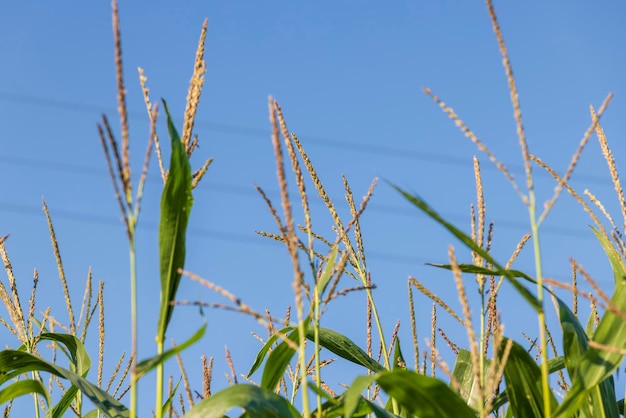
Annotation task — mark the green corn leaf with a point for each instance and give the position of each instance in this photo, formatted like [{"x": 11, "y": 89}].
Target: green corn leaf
[
  {"x": 257, "y": 401},
  {"x": 278, "y": 360},
  {"x": 352, "y": 405},
  {"x": 523, "y": 383},
  {"x": 345, "y": 348},
  {"x": 265, "y": 349},
  {"x": 598, "y": 365},
  {"x": 554, "y": 365},
  {"x": 14, "y": 363},
  {"x": 23, "y": 387},
  {"x": 176, "y": 202},
  {"x": 80, "y": 362},
  {"x": 469, "y": 243},
  {"x": 465, "y": 376},
  {"x": 331, "y": 340},
  {"x": 352, "y": 396},
  {"x": 398, "y": 359},
  {"x": 168, "y": 402},
  {"x": 320, "y": 287},
  {"x": 591, "y": 322},
  {"x": 149, "y": 364},
  {"x": 422, "y": 395},
  {"x": 602, "y": 401}
]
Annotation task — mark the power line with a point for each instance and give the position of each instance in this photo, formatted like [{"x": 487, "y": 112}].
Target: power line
[
  {"x": 204, "y": 233},
  {"x": 377, "y": 150},
  {"x": 244, "y": 191}
]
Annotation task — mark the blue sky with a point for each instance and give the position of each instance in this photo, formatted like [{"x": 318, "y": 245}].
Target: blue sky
[{"x": 349, "y": 80}]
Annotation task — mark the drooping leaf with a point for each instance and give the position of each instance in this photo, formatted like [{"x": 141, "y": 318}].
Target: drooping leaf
[
  {"x": 423, "y": 396},
  {"x": 257, "y": 401},
  {"x": 523, "y": 383},
  {"x": 283, "y": 353},
  {"x": 23, "y": 387},
  {"x": 597, "y": 365},
  {"x": 149, "y": 364},
  {"x": 80, "y": 363},
  {"x": 176, "y": 202},
  {"x": 345, "y": 348},
  {"x": 14, "y": 363},
  {"x": 469, "y": 243}
]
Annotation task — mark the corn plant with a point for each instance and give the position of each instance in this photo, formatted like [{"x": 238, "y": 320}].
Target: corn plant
[{"x": 492, "y": 374}]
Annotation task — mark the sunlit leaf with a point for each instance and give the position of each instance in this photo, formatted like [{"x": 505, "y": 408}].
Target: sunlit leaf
[
  {"x": 14, "y": 363},
  {"x": 597, "y": 365},
  {"x": 265, "y": 349},
  {"x": 176, "y": 202},
  {"x": 345, "y": 348},
  {"x": 422, "y": 395},
  {"x": 575, "y": 343},
  {"x": 257, "y": 401},
  {"x": 278, "y": 360},
  {"x": 23, "y": 387},
  {"x": 146, "y": 365},
  {"x": 469, "y": 243},
  {"x": 523, "y": 383}
]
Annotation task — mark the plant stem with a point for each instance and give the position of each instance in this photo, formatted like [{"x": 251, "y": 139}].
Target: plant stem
[
  {"x": 316, "y": 331},
  {"x": 545, "y": 383},
  {"x": 482, "y": 349},
  {"x": 133, "y": 314},
  {"x": 302, "y": 361},
  {"x": 158, "y": 408}
]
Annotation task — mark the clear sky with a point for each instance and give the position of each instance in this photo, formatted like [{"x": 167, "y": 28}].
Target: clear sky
[{"x": 349, "y": 80}]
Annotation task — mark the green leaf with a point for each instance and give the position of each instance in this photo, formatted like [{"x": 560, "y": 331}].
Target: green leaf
[
  {"x": 598, "y": 365},
  {"x": 356, "y": 407},
  {"x": 278, "y": 360},
  {"x": 352, "y": 396},
  {"x": 398, "y": 359},
  {"x": 591, "y": 322},
  {"x": 464, "y": 375},
  {"x": 422, "y": 395},
  {"x": 23, "y": 387},
  {"x": 283, "y": 353},
  {"x": 554, "y": 365},
  {"x": 80, "y": 363},
  {"x": 146, "y": 365},
  {"x": 602, "y": 401},
  {"x": 266, "y": 347},
  {"x": 176, "y": 202},
  {"x": 345, "y": 348},
  {"x": 14, "y": 362},
  {"x": 257, "y": 401},
  {"x": 469, "y": 243},
  {"x": 320, "y": 287},
  {"x": 523, "y": 383},
  {"x": 169, "y": 400}
]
